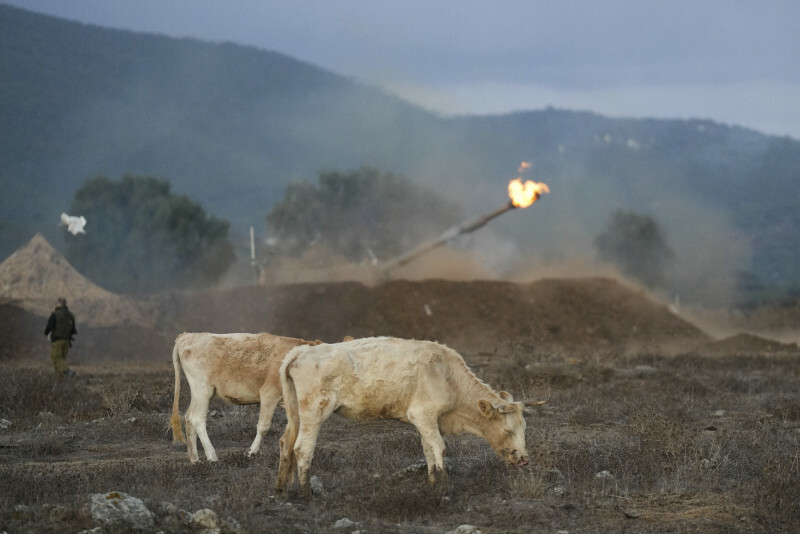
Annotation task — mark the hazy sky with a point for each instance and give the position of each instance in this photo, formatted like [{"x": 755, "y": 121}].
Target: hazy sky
[{"x": 732, "y": 61}]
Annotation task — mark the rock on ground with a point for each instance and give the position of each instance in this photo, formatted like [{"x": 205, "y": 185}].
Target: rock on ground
[{"x": 119, "y": 509}]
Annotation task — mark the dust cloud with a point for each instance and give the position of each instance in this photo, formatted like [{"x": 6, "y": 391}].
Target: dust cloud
[
  {"x": 708, "y": 256},
  {"x": 553, "y": 237}
]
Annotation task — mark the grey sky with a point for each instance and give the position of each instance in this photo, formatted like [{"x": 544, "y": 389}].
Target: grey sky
[{"x": 733, "y": 61}]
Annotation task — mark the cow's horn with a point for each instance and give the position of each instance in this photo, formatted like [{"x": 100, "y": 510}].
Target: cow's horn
[{"x": 534, "y": 403}]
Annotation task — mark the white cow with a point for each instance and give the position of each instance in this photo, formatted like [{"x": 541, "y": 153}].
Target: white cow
[
  {"x": 239, "y": 368},
  {"x": 418, "y": 382}
]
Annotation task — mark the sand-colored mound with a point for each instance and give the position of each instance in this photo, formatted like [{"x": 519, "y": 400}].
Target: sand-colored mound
[
  {"x": 38, "y": 271},
  {"x": 36, "y": 274}
]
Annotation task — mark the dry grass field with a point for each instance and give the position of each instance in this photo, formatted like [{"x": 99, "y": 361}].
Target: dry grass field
[{"x": 640, "y": 434}]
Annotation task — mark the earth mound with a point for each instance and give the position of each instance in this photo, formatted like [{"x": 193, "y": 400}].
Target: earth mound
[
  {"x": 748, "y": 344},
  {"x": 36, "y": 274},
  {"x": 579, "y": 314},
  {"x": 600, "y": 317}
]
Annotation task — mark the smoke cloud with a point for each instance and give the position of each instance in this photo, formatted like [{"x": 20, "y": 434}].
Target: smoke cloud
[{"x": 237, "y": 168}]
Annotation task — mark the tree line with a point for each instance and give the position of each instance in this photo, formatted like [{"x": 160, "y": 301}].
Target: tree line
[{"x": 143, "y": 238}]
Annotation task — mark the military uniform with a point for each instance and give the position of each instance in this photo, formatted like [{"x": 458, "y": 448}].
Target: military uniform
[{"x": 61, "y": 327}]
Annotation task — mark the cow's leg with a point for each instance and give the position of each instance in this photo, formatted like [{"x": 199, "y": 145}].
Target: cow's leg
[
  {"x": 196, "y": 418},
  {"x": 304, "y": 453},
  {"x": 430, "y": 459},
  {"x": 191, "y": 440},
  {"x": 269, "y": 402},
  {"x": 432, "y": 446},
  {"x": 311, "y": 420}
]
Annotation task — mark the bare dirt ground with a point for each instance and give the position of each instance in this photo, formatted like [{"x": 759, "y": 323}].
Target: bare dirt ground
[{"x": 652, "y": 424}]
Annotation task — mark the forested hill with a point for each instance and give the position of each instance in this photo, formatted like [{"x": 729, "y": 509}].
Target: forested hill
[
  {"x": 230, "y": 126},
  {"x": 226, "y": 124}
]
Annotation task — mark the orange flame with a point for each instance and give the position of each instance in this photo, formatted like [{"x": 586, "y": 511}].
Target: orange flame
[{"x": 523, "y": 195}]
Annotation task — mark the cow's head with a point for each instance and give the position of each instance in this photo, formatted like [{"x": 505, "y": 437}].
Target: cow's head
[{"x": 504, "y": 428}]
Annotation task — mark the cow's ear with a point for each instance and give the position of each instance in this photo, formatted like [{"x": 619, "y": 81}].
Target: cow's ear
[
  {"x": 486, "y": 408},
  {"x": 506, "y": 396}
]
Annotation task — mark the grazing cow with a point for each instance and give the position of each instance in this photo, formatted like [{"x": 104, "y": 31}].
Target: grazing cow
[
  {"x": 418, "y": 382},
  {"x": 240, "y": 368}
]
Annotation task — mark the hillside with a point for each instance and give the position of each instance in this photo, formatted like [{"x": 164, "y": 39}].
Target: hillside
[{"x": 230, "y": 125}]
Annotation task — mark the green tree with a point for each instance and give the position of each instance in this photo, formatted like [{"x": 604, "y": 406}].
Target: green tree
[
  {"x": 141, "y": 238},
  {"x": 358, "y": 212},
  {"x": 636, "y": 245}
]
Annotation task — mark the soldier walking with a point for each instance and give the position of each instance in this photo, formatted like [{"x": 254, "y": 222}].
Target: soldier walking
[{"x": 61, "y": 327}]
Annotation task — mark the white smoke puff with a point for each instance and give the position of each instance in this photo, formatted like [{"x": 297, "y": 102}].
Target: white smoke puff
[{"x": 74, "y": 224}]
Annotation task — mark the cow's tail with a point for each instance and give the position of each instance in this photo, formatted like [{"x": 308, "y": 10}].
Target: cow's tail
[
  {"x": 288, "y": 461},
  {"x": 175, "y": 421}
]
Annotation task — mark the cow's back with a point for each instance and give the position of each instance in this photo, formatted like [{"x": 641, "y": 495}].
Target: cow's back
[
  {"x": 373, "y": 378},
  {"x": 236, "y": 365}
]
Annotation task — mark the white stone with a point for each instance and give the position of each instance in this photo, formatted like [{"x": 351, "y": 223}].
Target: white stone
[
  {"x": 205, "y": 518},
  {"x": 120, "y": 509},
  {"x": 344, "y": 523},
  {"x": 466, "y": 529}
]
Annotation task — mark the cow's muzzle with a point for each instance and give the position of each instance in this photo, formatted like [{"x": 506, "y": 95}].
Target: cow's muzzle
[{"x": 514, "y": 457}]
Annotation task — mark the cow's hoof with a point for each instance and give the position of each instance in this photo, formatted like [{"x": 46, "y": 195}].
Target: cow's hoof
[{"x": 441, "y": 483}]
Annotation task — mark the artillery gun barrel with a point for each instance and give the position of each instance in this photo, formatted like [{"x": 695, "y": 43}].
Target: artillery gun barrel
[{"x": 451, "y": 233}]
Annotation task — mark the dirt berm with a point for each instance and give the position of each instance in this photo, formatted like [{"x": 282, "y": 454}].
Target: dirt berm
[
  {"x": 571, "y": 315},
  {"x": 575, "y": 315}
]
